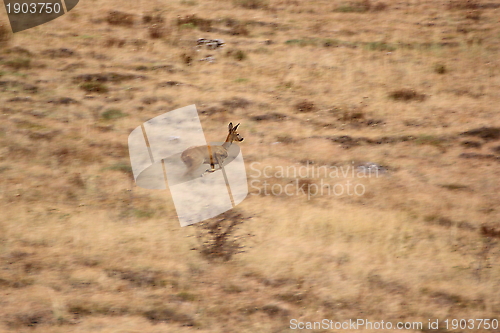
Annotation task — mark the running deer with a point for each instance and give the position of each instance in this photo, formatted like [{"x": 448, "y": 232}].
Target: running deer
[{"x": 193, "y": 157}]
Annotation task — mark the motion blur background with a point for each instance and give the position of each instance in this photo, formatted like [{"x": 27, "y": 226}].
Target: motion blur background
[{"x": 410, "y": 86}]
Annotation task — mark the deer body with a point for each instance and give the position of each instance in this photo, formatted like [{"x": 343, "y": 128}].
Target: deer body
[{"x": 194, "y": 157}]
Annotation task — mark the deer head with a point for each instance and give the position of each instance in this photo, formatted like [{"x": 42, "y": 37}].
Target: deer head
[{"x": 233, "y": 134}]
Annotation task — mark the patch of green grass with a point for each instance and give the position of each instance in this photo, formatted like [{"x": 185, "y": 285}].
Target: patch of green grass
[
  {"x": 193, "y": 21},
  {"x": 293, "y": 41},
  {"x": 379, "y": 46},
  {"x": 302, "y": 42},
  {"x": 240, "y": 55},
  {"x": 2, "y": 73},
  {"x": 19, "y": 74},
  {"x": 252, "y": 4},
  {"x": 285, "y": 138},
  {"x": 236, "y": 54},
  {"x": 287, "y": 85},
  {"x": 431, "y": 140},
  {"x": 189, "y": 3},
  {"x": 188, "y": 26},
  {"x": 143, "y": 213},
  {"x": 18, "y": 63},
  {"x": 233, "y": 289},
  {"x": 111, "y": 114},
  {"x": 361, "y": 6},
  {"x": 186, "y": 296},
  {"x": 120, "y": 166},
  {"x": 94, "y": 87},
  {"x": 29, "y": 125},
  {"x": 431, "y": 218},
  {"x": 350, "y": 9},
  {"x": 241, "y": 80},
  {"x": 64, "y": 216}
]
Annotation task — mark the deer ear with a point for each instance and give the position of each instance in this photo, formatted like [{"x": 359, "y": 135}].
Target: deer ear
[
  {"x": 230, "y": 127},
  {"x": 236, "y": 127}
]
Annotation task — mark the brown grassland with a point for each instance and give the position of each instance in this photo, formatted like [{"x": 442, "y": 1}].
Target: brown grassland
[{"x": 413, "y": 86}]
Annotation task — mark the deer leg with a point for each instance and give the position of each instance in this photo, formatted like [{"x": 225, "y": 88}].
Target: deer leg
[
  {"x": 212, "y": 157},
  {"x": 212, "y": 168},
  {"x": 219, "y": 162},
  {"x": 212, "y": 164}
]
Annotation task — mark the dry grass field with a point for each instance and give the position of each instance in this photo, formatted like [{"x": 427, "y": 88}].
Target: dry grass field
[{"x": 411, "y": 86}]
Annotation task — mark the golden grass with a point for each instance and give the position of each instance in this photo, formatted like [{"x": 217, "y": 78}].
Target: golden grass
[{"x": 82, "y": 249}]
